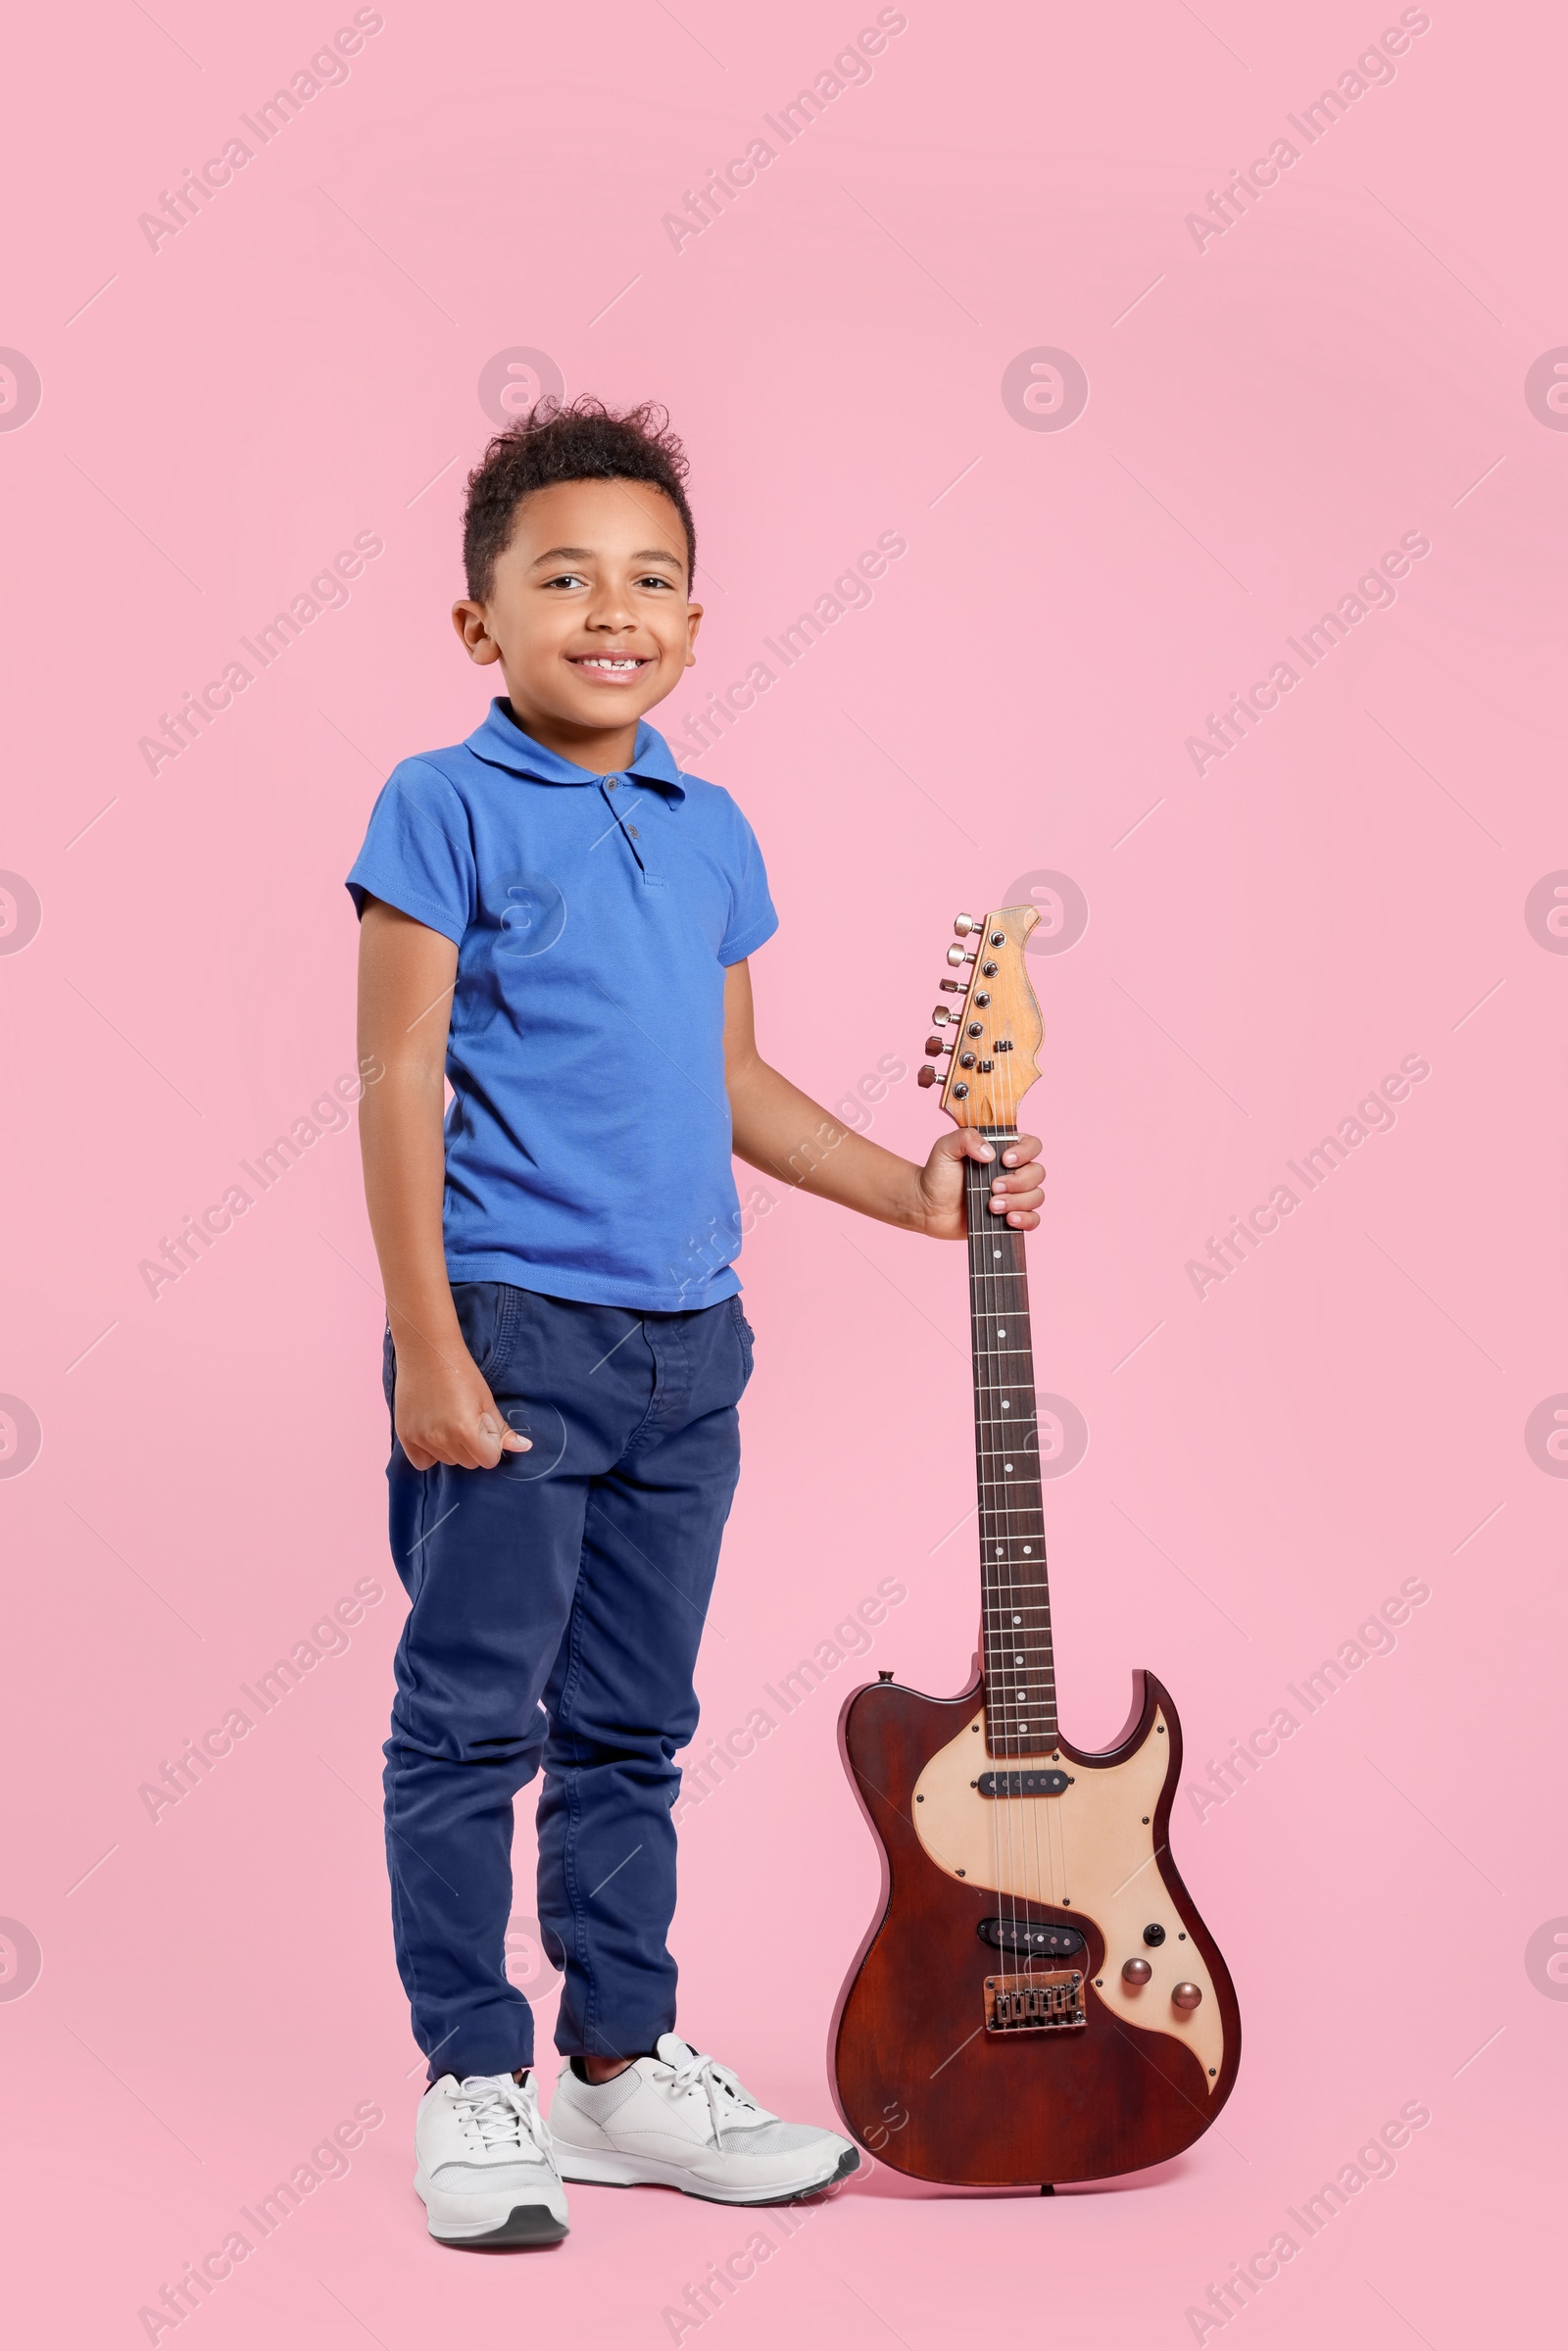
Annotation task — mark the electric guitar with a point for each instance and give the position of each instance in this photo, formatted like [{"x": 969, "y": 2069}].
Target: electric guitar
[{"x": 1038, "y": 2000}]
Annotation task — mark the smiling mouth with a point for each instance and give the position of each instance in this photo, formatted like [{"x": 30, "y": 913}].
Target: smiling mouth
[{"x": 610, "y": 665}]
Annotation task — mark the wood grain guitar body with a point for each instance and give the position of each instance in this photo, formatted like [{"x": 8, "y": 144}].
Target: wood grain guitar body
[{"x": 975, "y": 1888}]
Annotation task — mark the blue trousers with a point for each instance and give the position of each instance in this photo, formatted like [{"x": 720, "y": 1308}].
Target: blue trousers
[{"x": 557, "y": 1604}]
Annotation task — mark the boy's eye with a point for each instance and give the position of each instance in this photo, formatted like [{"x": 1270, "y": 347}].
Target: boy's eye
[
  {"x": 655, "y": 579},
  {"x": 566, "y": 579}
]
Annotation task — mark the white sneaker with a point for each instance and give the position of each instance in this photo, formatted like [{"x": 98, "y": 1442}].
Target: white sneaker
[
  {"x": 486, "y": 2168},
  {"x": 679, "y": 2119}
]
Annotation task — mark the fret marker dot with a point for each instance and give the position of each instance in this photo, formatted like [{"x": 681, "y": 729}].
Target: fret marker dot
[
  {"x": 1017, "y": 1619},
  {"x": 1000, "y": 1333},
  {"x": 1006, "y": 1408},
  {"x": 1028, "y": 1550},
  {"x": 1008, "y": 1466}
]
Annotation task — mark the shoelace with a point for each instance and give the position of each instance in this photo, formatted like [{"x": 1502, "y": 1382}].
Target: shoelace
[
  {"x": 506, "y": 2115},
  {"x": 718, "y": 2082}
]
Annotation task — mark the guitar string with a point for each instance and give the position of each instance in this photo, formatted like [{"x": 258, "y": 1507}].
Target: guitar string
[
  {"x": 987, "y": 1363},
  {"x": 1039, "y": 1813},
  {"x": 1019, "y": 1314},
  {"x": 978, "y": 1218},
  {"x": 1031, "y": 1638},
  {"x": 1000, "y": 1684},
  {"x": 1000, "y": 1328},
  {"x": 1021, "y": 1822},
  {"x": 974, "y": 1211}
]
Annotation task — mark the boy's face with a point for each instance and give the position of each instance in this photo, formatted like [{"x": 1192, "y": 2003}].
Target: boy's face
[{"x": 587, "y": 613}]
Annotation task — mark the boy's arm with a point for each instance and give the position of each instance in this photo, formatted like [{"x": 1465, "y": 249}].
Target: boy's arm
[
  {"x": 781, "y": 1130},
  {"x": 444, "y": 1410}
]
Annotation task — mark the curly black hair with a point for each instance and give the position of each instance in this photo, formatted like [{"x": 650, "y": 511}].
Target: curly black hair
[{"x": 582, "y": 441}]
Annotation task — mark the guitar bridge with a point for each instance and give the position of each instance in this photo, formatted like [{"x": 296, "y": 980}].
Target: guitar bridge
[{"x": 1039, "y": 2002}]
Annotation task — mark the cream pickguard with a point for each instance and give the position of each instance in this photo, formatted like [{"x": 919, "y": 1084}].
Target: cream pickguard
[{"x": 1090, "y": 1850}]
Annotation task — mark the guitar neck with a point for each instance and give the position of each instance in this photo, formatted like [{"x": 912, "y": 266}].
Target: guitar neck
[{"x": 1020, "y": 1681}]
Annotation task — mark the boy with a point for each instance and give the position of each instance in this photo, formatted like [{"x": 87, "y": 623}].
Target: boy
[{"x": 559, "y": 921}]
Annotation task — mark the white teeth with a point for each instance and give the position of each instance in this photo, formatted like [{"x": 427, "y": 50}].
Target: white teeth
[{"x": 590, "y": 663}]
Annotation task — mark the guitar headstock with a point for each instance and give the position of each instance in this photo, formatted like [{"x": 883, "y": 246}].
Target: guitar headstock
[{"x": 991, "y": 1022}]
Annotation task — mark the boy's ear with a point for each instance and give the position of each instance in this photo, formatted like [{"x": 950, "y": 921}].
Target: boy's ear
[
  {"x": 694, "y": 621},
  {"x": 469, "y": 620}
]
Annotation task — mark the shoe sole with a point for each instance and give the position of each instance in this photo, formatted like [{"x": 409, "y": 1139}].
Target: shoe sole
[
  {"x": 622, "y": 2171},
  {"x": 525, "y": 2224}
]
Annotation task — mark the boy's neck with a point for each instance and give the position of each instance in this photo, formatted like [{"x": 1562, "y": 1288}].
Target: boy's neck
[{"x": 601, "y": 750}]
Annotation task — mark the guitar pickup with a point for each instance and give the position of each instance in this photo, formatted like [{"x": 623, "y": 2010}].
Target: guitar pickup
[
  {"x": 1034, "y": 2003},
  {"x": 1024, "y": 1783},
  {"x": 1037, "y": 1942}
]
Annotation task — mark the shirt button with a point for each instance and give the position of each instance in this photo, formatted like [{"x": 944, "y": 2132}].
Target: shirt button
[
  {"x": 632, "y": 829},
  {"x": 611, "y": 782}
]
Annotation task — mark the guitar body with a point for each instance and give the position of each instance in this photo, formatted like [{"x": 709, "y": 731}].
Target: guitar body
[
  {"x": 1038, "y": 2001},
  {"x": 923, "y": 2081}
]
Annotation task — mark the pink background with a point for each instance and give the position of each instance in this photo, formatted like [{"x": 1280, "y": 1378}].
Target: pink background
[{"x": 1266, "y": 415}]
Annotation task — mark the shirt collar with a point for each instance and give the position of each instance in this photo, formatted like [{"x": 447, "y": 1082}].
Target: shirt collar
[{"x": 501, "y": 742}]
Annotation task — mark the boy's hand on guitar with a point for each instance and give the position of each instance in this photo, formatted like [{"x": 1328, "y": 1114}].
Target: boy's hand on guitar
[
  {"x": 1016, "y": 1183},
  {"x": 444, "y": 1412}
]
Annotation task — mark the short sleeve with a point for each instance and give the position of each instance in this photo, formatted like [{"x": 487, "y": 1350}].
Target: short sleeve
[
  {"x": 419, "y": 852},
  {"x": 752, "y": 915}
]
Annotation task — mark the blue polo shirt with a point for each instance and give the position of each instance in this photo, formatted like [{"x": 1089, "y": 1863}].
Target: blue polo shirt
[{"x": 588, "y": 1140}]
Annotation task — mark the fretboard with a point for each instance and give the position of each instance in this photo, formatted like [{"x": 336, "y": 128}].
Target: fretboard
[{"x": 1020, "y": 1681}]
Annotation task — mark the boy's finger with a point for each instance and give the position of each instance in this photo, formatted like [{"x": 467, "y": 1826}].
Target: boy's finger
[
  {"x": 495, "y": 1431},
  {"x": 1013, "y": 1188}
]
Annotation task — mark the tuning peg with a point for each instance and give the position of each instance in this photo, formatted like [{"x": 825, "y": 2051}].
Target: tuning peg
[
  {"x": 950, "y": 987},
  {"x": 963, "y": 924},
  {"x": 925, "y": 1075},
  {"x": 939, "y": 1045},
  {"x": 955, "y": 954},
  {"x": 942, "y": 1015}
]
